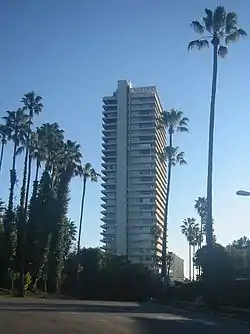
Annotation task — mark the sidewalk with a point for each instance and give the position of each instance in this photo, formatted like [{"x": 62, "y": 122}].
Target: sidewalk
[{"x": 241, "y": 314}]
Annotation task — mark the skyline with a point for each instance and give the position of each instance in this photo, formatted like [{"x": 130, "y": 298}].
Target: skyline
[{"x": 47, "y": 68}]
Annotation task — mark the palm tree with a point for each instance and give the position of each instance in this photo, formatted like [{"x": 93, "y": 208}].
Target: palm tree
[
  {"x": 32, "y": 104},
  {"x": 45, "y": 148},
  {"x": 188, "y": 230},
  {"x": 173, "y": 158},
  {"x": 195, "y": 242},
  {"x": 69, "y": 236},
  {"x": 220, "y": 28},
  {"x": 68, "y": 165},
  {"x": 51, "y": 139},
  {"x": 17, "y": 123},
  {"x": 156, "y": 232},
  {"x": 201, "y": 208},
  {"x": 87, "y": 173},
  {"x": 3, "y": 139}
]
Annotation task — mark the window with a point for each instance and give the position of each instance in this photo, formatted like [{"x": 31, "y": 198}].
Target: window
[
  {"x": 111, "y": 194},
  {"x": 111, "y": 215},
  {"x": 146, "y": 179},
  {"x": 147, "y": 214},
  {"x": 145, "y": 152},
  {"x": 145, "y": 138},
  {"x": 146, "y": 201},
  {"x": 110, "y": 187},
  {"x": 110, "y": 121},
  {"x": 110, "y": 159},
  {"x": 141, "y": 146},
  {"x": 111, "y": 147},
  {"x": 110, "y": 167},
  {"x": 144, "y": 125},
  {"x": 147, "y": 207}
]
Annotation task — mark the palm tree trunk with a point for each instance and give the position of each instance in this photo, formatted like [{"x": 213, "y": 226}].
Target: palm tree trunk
[
  {"x": 193, "y": 264},
  {"x": 165, "y": 228},
  {"x": 21, "y": 230},
  {"x": 8, "y": 221},
  {"x": 28, "y": 185},
  {"x": 1, "y": 155},
  {"x": 23, "y": 190},
  {"x": 37, "y": 170},
  {"x": 200, "y": 243},
  {"x": 209, "y": 227},
  {"x": 12, "y": 178},
  {"x": 35, "y": 183},
  {"x": 190, "y": 262},
  {"x": 80, "y": 225}
]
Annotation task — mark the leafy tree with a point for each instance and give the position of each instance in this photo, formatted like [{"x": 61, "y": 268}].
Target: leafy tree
[
  {"x": 220, "y": 29},
  {"x": 216, "y": 286},
  {"x": 239, "y": 251},
  {"x": 188, "y": 229}
]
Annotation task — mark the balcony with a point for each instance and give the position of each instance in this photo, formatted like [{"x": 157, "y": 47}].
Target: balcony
[
  {"x": 104, "y": 226},
  {"x": 110, "y": 107},
  {"x": 109, "y": 127},
  {"x": 109, "y": 117},
  {"x": 111, "y": 153}
]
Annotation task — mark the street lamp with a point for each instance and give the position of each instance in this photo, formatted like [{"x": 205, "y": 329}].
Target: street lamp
[{"x": 243, "y": 193}]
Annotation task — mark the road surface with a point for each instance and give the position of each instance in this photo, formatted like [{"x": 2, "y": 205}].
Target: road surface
[{"x": 65, "y": 317}]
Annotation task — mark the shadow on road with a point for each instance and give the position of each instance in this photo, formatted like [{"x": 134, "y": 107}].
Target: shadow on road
[
  {"x": 187, "y": 326},
  {"x": 96, "y": 307}
]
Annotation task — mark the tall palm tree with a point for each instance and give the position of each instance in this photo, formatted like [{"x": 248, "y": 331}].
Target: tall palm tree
[
  {"x": 32, "y": 104},
  {"x": 46, "y": 145},
  {"x": 195, "y": 243},
  {"x": 51, "y": 139},
  {"x": 220, "y": 28},
  {"x": 67, "y": 166},
  {"x": 87, "y": 173},
  {"x": 3, "y": 139},
  {"x": 188, "y": 230},
  {"x": 17, "y": 123},
  {"x": 173, "y": 121},
  {"x": 1, "y": 206},
  {"x": 201, "y": 208}
]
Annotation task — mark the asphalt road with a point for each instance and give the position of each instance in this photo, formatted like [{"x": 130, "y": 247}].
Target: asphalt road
[{"x": 32, "y": 316}]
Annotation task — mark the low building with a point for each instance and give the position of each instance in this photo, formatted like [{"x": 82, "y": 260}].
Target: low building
[{"x": 177, "y": 268}]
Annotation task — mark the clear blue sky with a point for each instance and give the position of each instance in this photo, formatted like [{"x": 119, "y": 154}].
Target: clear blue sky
[{"x": 73, "y": 52}]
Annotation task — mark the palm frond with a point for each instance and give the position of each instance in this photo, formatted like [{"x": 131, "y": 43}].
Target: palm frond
[
  {"x": 219, "y": 18},
  {"x": 19, "y": 150},
  {"x": 180, "y": 158},
  {"x": 182, "y": 129},
  {"x": 231, "y": 22},
  {"x": 208, "y": 19},
  {"x": 199, "y": 44},
  {"x": 222, "y": 51},
  {"x": 184, "y": 121},
  {"x": 198, "y": 27},
  {"x": 176, "y": 114},
  {"x": 234, "y": 36}
]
